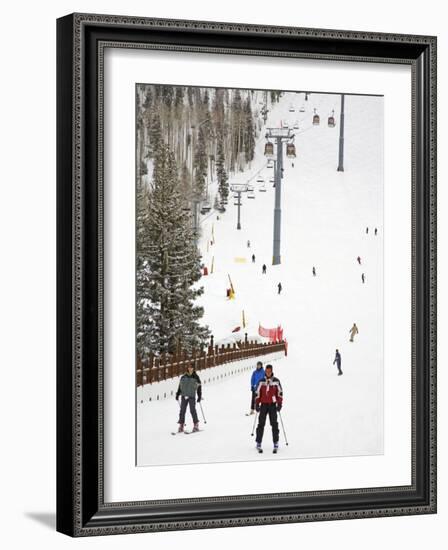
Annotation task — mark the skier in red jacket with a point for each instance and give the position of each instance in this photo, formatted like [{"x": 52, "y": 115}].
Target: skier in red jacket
[{"x": 268, "y": 401}]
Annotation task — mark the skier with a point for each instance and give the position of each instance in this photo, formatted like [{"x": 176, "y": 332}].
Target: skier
[
  {"x": 253, "y": 258},
  {"x": 268, "y": 401},
  {"x": 353, "y": 331},
  {"x": 359, "y": 260},
  {"x": 367, "y": 230},
  {"x": 189, "y": 384},
  {"x": 363, "y": 277},
  {"x": 248, "y": 244},
  {"x": 314, "y": 271},
  {"x": 376, "y": 231},
  {"x": 280, "y": 288},
  {"x": 257, "y": 375},
  {"x": 337, "y": 360},
  {"x": 292, "y": 164},
  {"x": 263, "y": 269}
]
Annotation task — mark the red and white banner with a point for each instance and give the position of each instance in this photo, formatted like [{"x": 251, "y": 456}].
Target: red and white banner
[{"x": 274, "y": 334}]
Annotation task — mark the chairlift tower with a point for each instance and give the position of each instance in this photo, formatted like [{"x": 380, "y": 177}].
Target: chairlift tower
[
  {"x": 341, "y": 136},
  {"x": 238, "y": 188},
  {"x": 279, "y": 136}
]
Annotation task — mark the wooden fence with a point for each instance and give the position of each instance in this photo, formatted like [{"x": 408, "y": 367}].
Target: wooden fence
[{"x": 166, "y": 366}]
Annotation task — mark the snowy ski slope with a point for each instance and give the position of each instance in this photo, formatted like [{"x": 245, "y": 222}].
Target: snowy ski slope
[{"x": 324, "y": 217}]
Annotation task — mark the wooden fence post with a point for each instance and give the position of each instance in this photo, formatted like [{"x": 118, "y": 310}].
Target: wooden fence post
[{"x": 139, "y": 372}]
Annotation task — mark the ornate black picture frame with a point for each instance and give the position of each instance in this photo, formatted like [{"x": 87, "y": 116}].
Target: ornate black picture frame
[{"x": 81, "y": 509}]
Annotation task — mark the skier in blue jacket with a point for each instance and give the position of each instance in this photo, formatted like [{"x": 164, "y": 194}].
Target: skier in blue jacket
[{"x": 257, "y": 375}]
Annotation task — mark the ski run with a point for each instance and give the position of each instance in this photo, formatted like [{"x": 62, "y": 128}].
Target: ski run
[{"x": 325, "y": 215}]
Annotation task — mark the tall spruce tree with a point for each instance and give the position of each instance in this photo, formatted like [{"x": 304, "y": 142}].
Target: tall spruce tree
[
  {"x": 145, "y": 325},
  {"x": 236, "y": 128},
  {"x": 221, "y": 174},
  {"x": 249, "y": 131},
  {"x": 200, "y": 164},
  {"x": 169, "y": 262},
  {"x": 154, "y": 134}
]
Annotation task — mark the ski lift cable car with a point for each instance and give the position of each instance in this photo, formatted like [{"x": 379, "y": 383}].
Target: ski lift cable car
[
  {"x": 331, "y": 121},
  {"x": 316, "y": 119},
  {"x": 269, "y": 149},
  {"x": 290, "y": 150}
]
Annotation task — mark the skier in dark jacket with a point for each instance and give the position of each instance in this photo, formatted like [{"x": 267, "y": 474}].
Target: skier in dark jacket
[
  {"x": 268, "y": 401},
  {"x": 263, "y": 269},
  {"x": 337, "y": 360},
  {"x": 189, "y": 385},
  {"x": 257, "y": 375},
  {"x": 314, "y": 271},
  {"x": 280, "y": 288},
  {"x": 253, "y": 258}
]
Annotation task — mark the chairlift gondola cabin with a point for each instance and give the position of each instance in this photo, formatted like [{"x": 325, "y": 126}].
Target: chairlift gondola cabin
[
  {"x": 290, "y": 150},
  {"x": 316, "y": 119},
  {"x": 269, "y": 149},
  {"x": 331, "y": 121}
]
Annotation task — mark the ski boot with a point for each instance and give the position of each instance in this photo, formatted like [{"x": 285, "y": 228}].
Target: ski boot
[
  {"x": 180, "y": 428},
  {"x": 196, "y": 427},
  {"x": 259, "y": 449},
  {"x": 275, "y": 449}
]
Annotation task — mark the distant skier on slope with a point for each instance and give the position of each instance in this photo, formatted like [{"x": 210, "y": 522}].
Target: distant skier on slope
[
  {"x": 248, "y": 244},
  {"x": 253, "y": 258},
  {"x": 314, "y": 271},
  {"x": 359, "y": 260},
  {"x": 337, "y": 360},
  {"x": 367, "y": 230},
  {"x": 353, "y": 332},
  {"x": 257, "y": 375},
  {"x": 189, "y": 384},
  {"x": 268, "y": 401},
  {"x": 376, "y": 231},
  {"x": 280, "y": 288},
  {"x": 263, "y": 269},
  {"x": 363, "y": 278}
]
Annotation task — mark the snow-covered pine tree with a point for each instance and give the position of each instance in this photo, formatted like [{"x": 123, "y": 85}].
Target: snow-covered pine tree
[
  {"x": 218, "y": 112},
  {"x": 200, "y": 164},
  {"x": 236, "y": 129},
  {"x": 170, "y": 266},
  {"x": 144, "y": 323},
  {"x": 221, "y": 174},
  {"x": 154, "y": 134},
  {"x": 249, "y": 131}
]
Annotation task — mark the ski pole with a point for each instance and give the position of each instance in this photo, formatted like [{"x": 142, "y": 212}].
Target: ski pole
[
  {"x": 255, "y": 421},
  {"x": 283, "y": 427},
  {"x": 202, "y": 411}
]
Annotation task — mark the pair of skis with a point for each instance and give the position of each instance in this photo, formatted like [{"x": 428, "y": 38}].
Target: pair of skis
[{"x": 187, "y": 432}]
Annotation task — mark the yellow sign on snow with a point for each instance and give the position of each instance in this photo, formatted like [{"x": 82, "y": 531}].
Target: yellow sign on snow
[{"x": 240, "y": 260}]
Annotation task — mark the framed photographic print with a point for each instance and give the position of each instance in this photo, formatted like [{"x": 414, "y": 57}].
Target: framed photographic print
[{"x": 246, "y": 274}]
